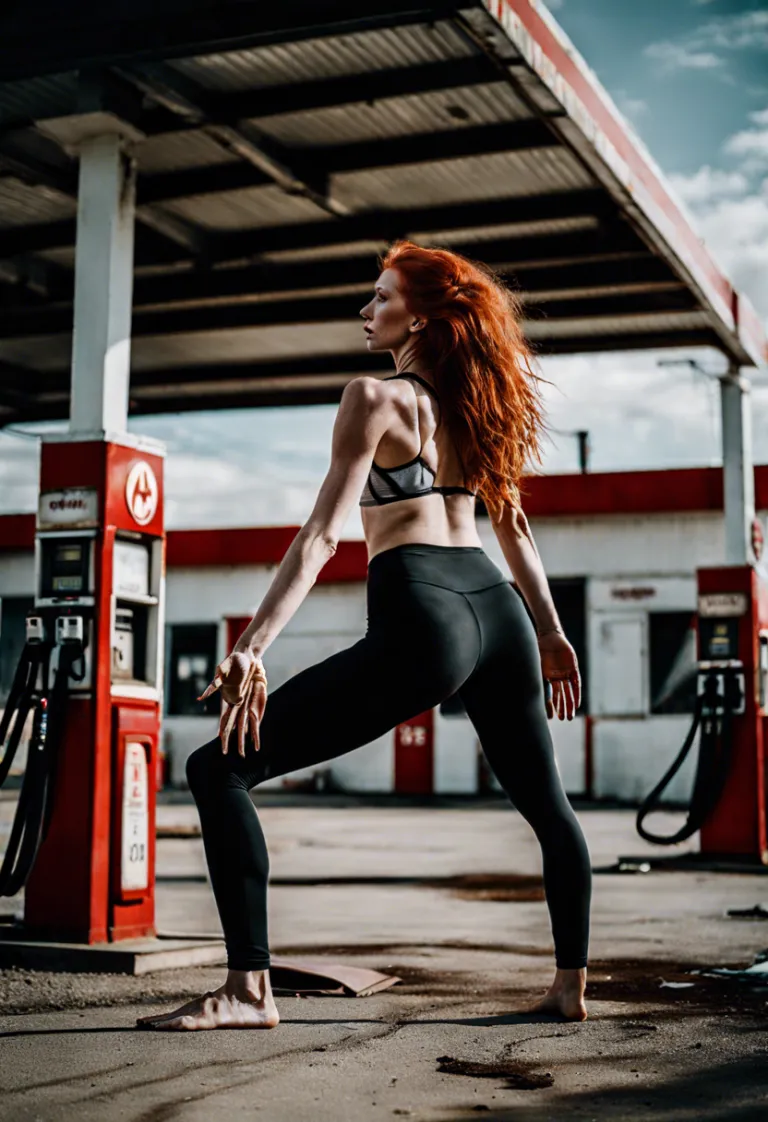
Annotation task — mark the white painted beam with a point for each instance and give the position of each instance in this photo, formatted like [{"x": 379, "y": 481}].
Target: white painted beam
[
  {"x": 101, "y": 345},
  {"x": 738, "y": 468}
]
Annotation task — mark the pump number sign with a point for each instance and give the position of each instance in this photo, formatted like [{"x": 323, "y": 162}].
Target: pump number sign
[{"x": 134, "y": 865}]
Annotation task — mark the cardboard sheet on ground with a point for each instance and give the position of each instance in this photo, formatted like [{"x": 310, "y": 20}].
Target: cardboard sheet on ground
[{"x": 326, "y": 979}]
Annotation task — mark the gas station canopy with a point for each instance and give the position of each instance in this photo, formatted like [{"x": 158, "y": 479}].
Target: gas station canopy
[{"x": 281, "y": 147}]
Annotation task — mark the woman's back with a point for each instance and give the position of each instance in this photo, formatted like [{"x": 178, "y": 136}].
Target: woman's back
[{"x": 415, "y": 491}]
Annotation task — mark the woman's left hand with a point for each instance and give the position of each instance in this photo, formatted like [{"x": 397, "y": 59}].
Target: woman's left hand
[
  {"x": 560, "y": 667},
  {"x": 242, "y": 679}
]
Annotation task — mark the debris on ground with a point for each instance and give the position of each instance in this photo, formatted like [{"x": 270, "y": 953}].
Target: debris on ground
[{"x": 518, "y": 1074}]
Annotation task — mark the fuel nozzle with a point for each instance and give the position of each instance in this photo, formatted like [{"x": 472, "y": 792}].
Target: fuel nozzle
[
  {"x": 734, "y": 693},
  {"x": 35, "y": 626},
  {"x": 69, "y": 629},
  {"x": 713, "y": 698}
]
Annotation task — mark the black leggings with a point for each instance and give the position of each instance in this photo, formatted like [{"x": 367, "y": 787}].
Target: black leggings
[{"x": 441, "y": 620}]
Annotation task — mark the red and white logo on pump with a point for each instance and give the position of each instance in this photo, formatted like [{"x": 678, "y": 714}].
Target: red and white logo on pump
[{"x": 141, "y": 493}]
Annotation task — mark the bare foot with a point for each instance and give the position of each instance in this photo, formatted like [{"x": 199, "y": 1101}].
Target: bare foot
[
  {"x": 236, "y": 1004},
  {"x": 565, "y": 996}
]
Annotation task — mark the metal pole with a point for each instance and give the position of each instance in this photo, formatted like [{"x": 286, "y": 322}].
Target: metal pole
[
  {"x": 738, "y": 469},
  {"x": 101, "y": 345}
]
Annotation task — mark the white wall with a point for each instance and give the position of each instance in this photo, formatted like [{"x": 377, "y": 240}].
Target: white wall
[
  {"x": 632, "y": 755},
  {"x": 17, "y": 574}
]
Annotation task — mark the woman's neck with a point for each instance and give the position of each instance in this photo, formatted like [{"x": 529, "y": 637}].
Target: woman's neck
[{"x": 406, "y": 360}]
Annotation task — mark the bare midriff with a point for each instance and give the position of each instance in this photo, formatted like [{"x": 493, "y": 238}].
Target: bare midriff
[{"x": 436, "y": 519}]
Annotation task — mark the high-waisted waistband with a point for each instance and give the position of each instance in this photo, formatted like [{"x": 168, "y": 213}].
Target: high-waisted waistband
[{"x": 463, "y": 568}]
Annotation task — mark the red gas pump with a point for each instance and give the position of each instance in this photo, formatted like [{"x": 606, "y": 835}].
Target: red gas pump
[
  {"x": 733, "y": 645},
  {"x": 100, "y": 569},
  {"x": 728, "y": 804}
]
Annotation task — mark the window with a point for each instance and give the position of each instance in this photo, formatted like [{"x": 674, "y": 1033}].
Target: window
[
  {"x": 192, "y": 661},
  {"x": 672, "y": 650},
  {"x": 13, "y": 636},
  {"x": 569, "y": 595}
]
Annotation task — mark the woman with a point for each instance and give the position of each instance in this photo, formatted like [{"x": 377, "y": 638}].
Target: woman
[{"x": 442, "y": 617}]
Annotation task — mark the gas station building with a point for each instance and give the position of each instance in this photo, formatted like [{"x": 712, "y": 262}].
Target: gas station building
[{"x": 620, "y": 550}]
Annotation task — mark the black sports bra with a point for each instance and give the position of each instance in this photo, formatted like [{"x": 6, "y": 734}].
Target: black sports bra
[{"x": 411, "y": 480}]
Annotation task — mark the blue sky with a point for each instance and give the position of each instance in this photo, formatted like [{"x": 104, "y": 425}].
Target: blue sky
[{"x": 691, "y": 76}]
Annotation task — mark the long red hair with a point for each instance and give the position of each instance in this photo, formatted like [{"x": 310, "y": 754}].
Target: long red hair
[{"x": 473, "y": 342}]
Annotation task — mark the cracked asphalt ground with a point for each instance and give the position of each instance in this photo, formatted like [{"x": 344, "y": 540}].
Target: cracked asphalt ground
[{"x": 448, "y": 897}]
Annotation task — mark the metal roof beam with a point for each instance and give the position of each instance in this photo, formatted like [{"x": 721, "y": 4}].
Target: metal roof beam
[
  {"x": 361, "y": 270},
  {"x": 372, "y": 225},
  {"x": 15, "y": 386},
  {"x": 388, "y": 225},
  {"x": 639, "y": 341},
  {"x": 613, "y": 241},
  {"x": 326, "y": 93},
  {"x": 33, "y": 279},
  {"x": 321, "y": 309},
  {"x": 317, "y": 162},
  {"x": 266, "y": 160},
  {"x": 436, "y": 146},
  {"x": 187, "y": 385},
  {"x": 66, "y": 37},
  {"x": 39, "y": 161}
]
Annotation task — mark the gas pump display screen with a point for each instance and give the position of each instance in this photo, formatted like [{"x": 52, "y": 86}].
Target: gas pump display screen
[
  {"x": 719, "y": 638},
  {"x": 65, "y": 567}
]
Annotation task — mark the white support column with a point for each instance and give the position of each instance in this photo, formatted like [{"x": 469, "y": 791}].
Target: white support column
[
  {"x": 738, "y": 469},
  {"x": 101, "y": 345}
]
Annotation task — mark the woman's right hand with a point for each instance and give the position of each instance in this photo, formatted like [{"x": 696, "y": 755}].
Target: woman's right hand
[
  {"x": 242, "y": 679},
  {"x": 560, "y": 667}
]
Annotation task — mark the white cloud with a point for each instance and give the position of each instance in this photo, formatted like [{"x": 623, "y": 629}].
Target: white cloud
[
  {"x": 736, "y": 231},
  {"x": 744, "y": 31},
  {"x": 698, "y": 49},
  {"x": 631, "y": 107},
  {"x": 751, "y": 144},
  {"x": 709, "y": 183},
  {"x": 640, "y": 415},
  {"x": 676, "y": 56}
]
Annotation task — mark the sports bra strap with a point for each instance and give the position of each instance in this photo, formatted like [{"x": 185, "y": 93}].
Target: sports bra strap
[{"x": 416, "y": 378}]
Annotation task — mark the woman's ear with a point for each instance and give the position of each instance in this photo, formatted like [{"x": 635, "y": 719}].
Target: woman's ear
[{"x": 417, "y": 325}]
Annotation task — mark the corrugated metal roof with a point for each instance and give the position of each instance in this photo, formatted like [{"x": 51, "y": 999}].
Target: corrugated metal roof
[
  {"x": 53, "y": 95},
  {"x": 362, "y": 52},
  {"x": 262, "y": 343},
  {"x": 23, "y": 205},
  {"x": 180, "y": 151},
  {"x": 435, "y": 111},
  {"x": 644, "y": 263},
  {"x": 495, "y": 176},
  {"x": 325, "y": 252},
  {"x": 465, "y": 234},
  {"x": 247, "y": 209},
  {"x": 150, "y": 352},
  {"x": 616, "y": 325},
  {"x": 480, "y": 234}
]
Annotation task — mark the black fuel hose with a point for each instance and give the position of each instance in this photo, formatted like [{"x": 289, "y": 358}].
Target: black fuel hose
[
  {"x": 715, "y": 752},
  {"x": 34, "y": 808}
]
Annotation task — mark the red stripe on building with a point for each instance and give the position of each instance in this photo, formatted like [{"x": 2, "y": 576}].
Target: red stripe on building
[
  {"x": 260, "y": 545},
  {"x": 673, "y": 491},
  {"x": 17, "y": 533}
]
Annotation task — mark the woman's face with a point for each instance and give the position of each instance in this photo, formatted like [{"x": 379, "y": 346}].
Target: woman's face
[{"x": 388, "y": 323}]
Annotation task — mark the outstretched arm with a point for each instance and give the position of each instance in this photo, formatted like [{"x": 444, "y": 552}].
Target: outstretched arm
[
  {"x": 558, "y": 658},
  {"x": 522, "y": 556},
  {"x": 363, "y": 418}
]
